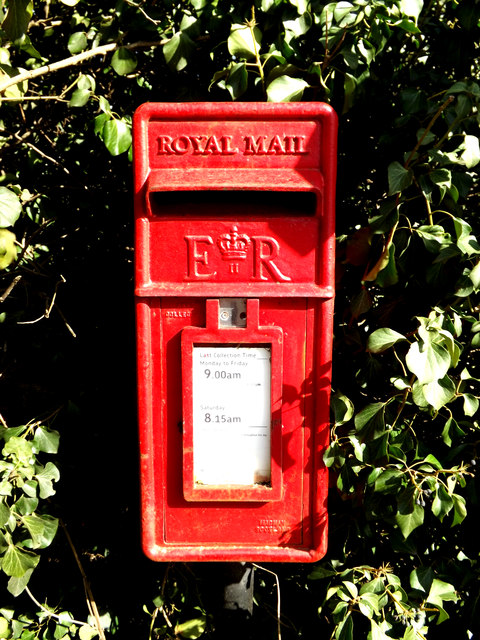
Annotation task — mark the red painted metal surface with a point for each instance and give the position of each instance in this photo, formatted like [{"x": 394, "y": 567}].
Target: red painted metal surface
[{"x": 234, "y": 201}]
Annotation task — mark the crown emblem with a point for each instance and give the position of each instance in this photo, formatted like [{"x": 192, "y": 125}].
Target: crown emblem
[{"x": 233, "y": 245}]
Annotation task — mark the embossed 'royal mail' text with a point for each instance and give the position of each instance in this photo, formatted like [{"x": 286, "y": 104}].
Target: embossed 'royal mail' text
[{"x": 205, "y": 145}]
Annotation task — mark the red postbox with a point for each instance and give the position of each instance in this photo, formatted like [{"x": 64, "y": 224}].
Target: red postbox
[{"x": 234, "y": 250}]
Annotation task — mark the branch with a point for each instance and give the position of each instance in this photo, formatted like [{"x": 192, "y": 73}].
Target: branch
[{"x": 73, "y": 60}]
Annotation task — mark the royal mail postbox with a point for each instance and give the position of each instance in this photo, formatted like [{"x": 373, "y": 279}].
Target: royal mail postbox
[{"x": 234, "y": 244}]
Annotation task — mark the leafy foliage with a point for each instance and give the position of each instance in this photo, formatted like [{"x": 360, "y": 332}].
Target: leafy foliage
[{"x": 403, "y": 75}]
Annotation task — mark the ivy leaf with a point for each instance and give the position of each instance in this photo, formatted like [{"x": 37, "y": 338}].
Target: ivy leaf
[
  {"x": 77, "y": 42},
  {"x": 79, "y": 98},
  {"x": 244, "y": 42},
  {"x": 320, "y": 572},
  {"x": 124, "y": 61},
  {"x": 443, "y": 179},
  {"x": 286, "y": 89},
  {"x": 421, "y": 579},
  {"x": 45, "y": 477},
  {"x": 25, "y": 506},
  {"x": 399, "y": 178},
  {"x": 16, "y": 561},
  {"x": 383, "y": 339},
  {"x": 408, "y": 522},
  {"x": 10, "y": 207},
  {"x": 42, "y": 528},
  {"x": 460, "y": 508},
  {"x": 442, "y": 503},
  {"x": 371, "y": 418},
  {"x": 236, "y": 82},
  {"x": 411, "y": 8},
  {"x": 440, "y": 592},
  {"x": 178, "y": 50},
  {"x": 16, "y": 586},
  {"x": 377, "y": 632},
  {"x": 117, "y": 136},
  {"x": 342, "y": 408},
  {"x": 8, "y": 249},
  {"x": 439, "y": 392},
  {"x": 345, "y": 627},
  {"x": 428, "y": 361},
  {"x": 17, "y": 19},
  {"x": 46, "y": 440},
  {"x": 470, "y": 404},
  {"x": 474, "y": 275},
  {"x": 470, "y": 151},
  {"x": 389, "y": 481},
  {"x": 86, "y": 632},
  {"x": 191, "y": 628}
]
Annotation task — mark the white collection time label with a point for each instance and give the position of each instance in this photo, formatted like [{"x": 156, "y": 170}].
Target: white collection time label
[{"x": 231, "y": 415}]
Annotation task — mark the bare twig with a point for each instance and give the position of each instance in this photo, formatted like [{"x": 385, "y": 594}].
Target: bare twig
[
  {"x": 92, "y": 605},
  {"x": 279, "y": 630},
  {"x": 54, "y": 615},
  {"x": 10, "y": 288},
  {"x": 73, "y": 60}
]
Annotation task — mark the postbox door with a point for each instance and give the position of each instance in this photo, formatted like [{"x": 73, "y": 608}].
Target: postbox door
[{"x": 285, "y": 520}]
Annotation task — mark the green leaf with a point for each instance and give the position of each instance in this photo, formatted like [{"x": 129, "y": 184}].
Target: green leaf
[
  {"x": 77, "y": 42},
  {"x": 86, "y": 632},
  {"x": 10, "y": 207},
  {"x": 411, "y": 8},
  {"x": 409, "y": 521},
  {"x": 320, "y": 572},
  {"x": 244, "y": 42},
  {"x": 178, "y": 50},
  {"x": 344, "y": 629},
  {"x": 421, "y": 579},
  {"x": 470, "y": 404},
  {"x": 377, "y": 633},
  {"x": 370, "y": 602},
  {"x": 236, "y": 82},
  {"x": 17, "y": 19},
  {"x": 399, "y": 178},
  {"x": 371, "y": 418},
  {"x": 443, "y": 179},
  {"x": 470, "y": 151},
  {"x": 42, "y": 528},
  {"x": 342, "y": 408},
  {"x": 439, "y": 392},
  {"x": 19, "y": 448},
  {"x": 117, "y": 136},
  {"x": 191, "y": 628},
  {"x": 286, "y": 89},
  {"x": 24, "y": 506},
  {"x": 124, "y": 61},
  {"x": 45, "y": 477},
  {"x": 79, "y": 98},
  {"x": 428, "y": 361},
  {"x": 46, "y": 440},
  {"x": 5, "y": 630},
  {"x": 16, "y": 586},
  {"x": 8, "y": 248},
  {"x": 442, "y": 503},
  {"x": 16, "y": 561},
  {"x": 474, "y": 275},
  {"x": 383, "y": 339},
  {"x": 460, "y": 509},
  {"x": 389, "y": 481},
  {"x": 440, "y": 592}
]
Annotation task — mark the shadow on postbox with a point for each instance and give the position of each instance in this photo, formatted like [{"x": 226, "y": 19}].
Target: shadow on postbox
[{"x": 234, "y": 266}]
